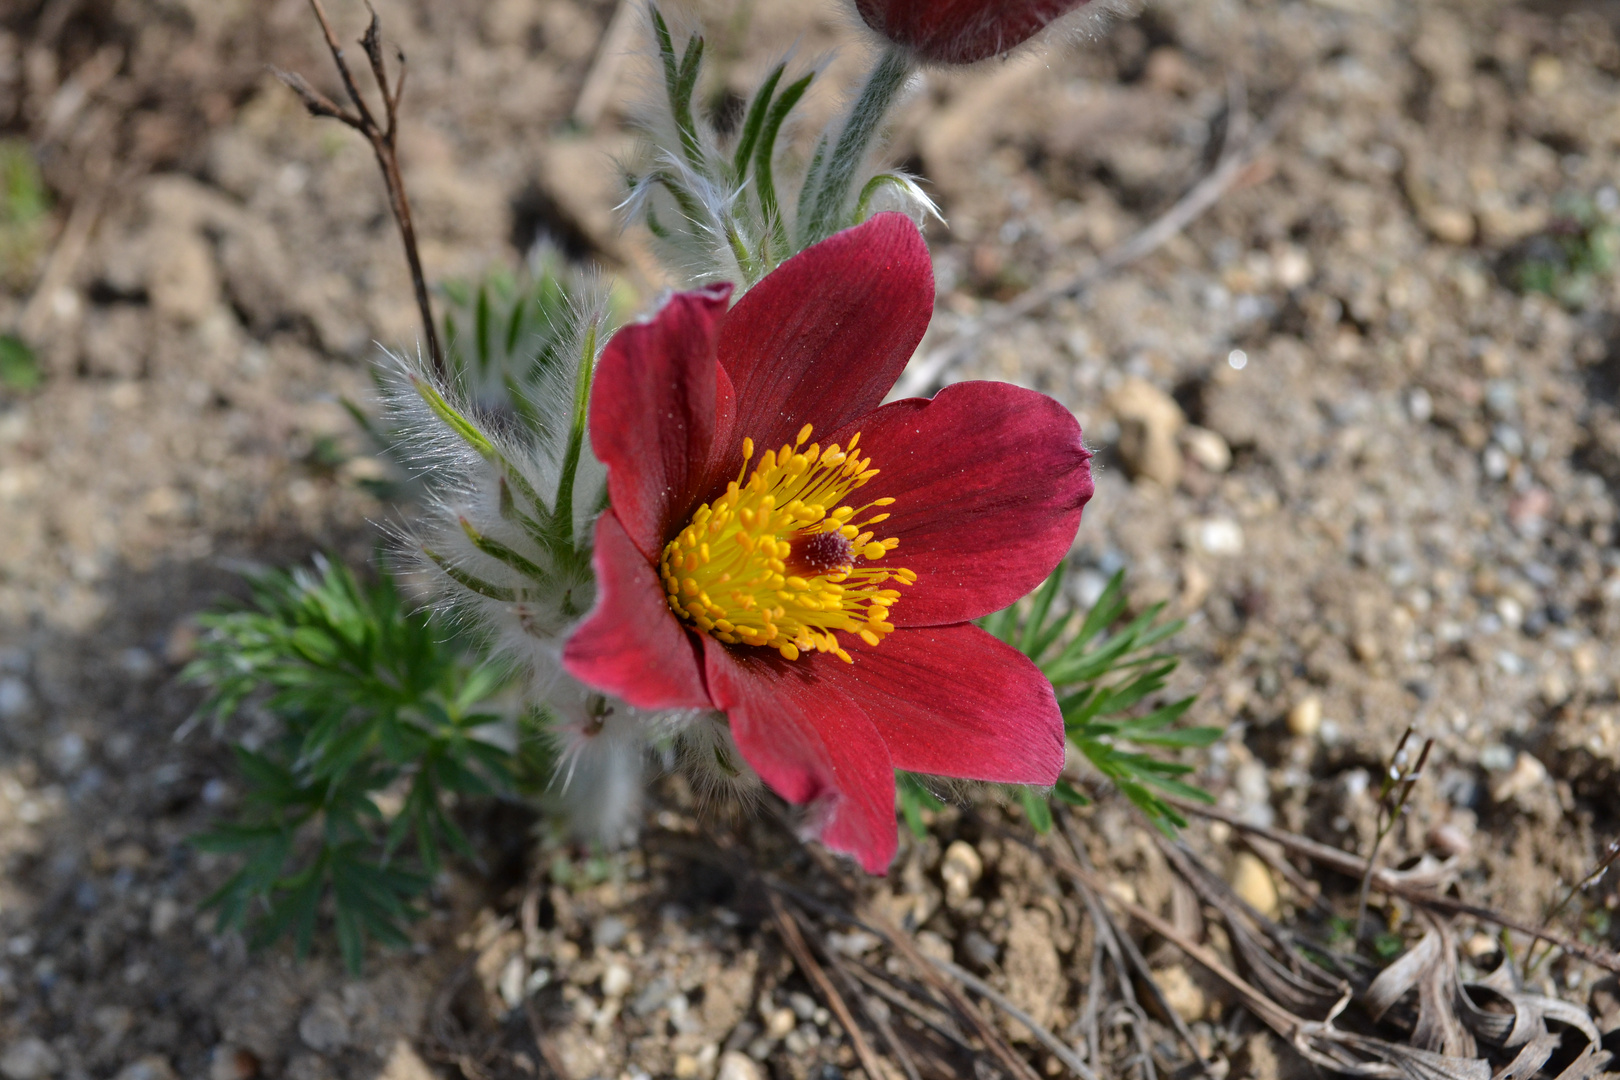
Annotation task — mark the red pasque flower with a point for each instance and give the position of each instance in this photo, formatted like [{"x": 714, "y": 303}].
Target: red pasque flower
[
  {"x": 961, "y": 31},
  {"x": 785, "y": 549}
]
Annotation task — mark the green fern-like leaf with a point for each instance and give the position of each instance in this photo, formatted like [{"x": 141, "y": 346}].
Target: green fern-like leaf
[
  {"x": 1104, "y": 668},
  {"x": 370, "y": 697}
]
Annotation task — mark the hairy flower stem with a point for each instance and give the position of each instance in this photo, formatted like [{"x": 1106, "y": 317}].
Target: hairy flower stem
[{"x": 882, "y": 89}]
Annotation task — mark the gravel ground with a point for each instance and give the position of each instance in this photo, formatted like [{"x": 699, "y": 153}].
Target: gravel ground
[{"x": 1377, "y": 479}]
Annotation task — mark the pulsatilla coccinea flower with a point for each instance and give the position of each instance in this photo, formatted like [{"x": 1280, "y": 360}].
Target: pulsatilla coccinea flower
[
  {"x": 786, "y": 550},
  {"x": 961, "y": 31}
]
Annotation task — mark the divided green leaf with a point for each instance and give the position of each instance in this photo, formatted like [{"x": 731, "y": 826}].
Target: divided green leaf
[{"x": 381, "y": 722}]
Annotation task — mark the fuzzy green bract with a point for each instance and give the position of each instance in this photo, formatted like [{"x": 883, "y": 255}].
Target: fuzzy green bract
[
  {"x": 721, "y": 205},
  {"x": 372, "y": 707}
]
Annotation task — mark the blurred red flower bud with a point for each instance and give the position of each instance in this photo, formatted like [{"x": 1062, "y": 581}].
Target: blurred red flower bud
[{"x": 961, "y": 31}]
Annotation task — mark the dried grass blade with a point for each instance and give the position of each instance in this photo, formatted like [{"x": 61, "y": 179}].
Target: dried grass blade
[
  {"x": 1395, "y": 981},
  {"x": 1298, "y": 984}
]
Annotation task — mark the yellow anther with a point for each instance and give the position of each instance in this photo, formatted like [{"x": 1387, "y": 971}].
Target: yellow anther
[{"x": 732, "y": 571}]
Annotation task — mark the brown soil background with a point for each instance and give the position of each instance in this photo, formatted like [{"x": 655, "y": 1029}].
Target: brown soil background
[{"x": 1401, "y": 506}]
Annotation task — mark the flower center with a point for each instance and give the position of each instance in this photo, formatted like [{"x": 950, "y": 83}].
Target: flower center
[{"x": 772, "y": 561}]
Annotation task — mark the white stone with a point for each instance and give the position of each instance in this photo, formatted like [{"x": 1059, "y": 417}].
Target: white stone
[
  {"x": 736, "y": 1066},
  {"x": 616, "y": 980},
  {"x": 30, "y": 1058},
  {"x": 960, "y": 870}
]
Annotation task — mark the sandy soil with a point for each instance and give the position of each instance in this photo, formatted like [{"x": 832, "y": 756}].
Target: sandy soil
[{"x": 1378, "y": 480}]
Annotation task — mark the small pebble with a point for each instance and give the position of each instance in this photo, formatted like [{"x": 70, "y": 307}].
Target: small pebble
[
  {"x": 29, "y": 1058},
  {"x": 137, "y": 663},
  {"x": 513, "y": 975},
  {"x": 779, "y": 1023},
  {"x": 979, "y": 949},
  {"x": 960, "y": 870},
  {"x": 804, "y": 1006},
  {"x": 67, "y": 753},
  {"x": 165, "y": 913},
  {"x": 151, "y": 1067},
  {"x": 854, "y": 943},
  {"x": 1183, "y": 995},
  {"x": 1527, "y": 775},
  {"x": 1251, "y": 880},
  {"x": 735, "y": 1066},
  {"x": 14, "y": 698},
  {"x": 1305, "y": 718},
  {"x": 1448, "y": 839},
  {"x": 1149, "y": 420},
  {"x": 323, "y": 1027},
  {"x": 1218, "y": 536},
  {"x": 616, "y": 980},
  {"x": 227, "y": 1062},
  {"x": 1207, "y": 449},
  {"x": 608, "y": 932}
]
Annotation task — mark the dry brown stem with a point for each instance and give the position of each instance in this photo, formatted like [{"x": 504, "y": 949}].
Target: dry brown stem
[
  {"x": 1386, "y": 882},
  {"x": 901, "y": 942},
  {"x": 1239, "y": 149},
  {"x": 384, "y": 139},
  {"x": 787, "y": 924}
]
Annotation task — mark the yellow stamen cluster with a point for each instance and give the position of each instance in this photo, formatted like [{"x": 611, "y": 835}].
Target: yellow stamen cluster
[{"x": 772, "y": 561}]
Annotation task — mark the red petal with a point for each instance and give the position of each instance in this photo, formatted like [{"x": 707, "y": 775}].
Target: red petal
[
  {"x": 811, "y": 743},
  {"x": 824, "y": 336},
  {"x": 631, "y": 645},
  {"x": 961, "y": 31},
  {"x": 954, "y": 701},
  {"x": 654, "y": 408},
  {"x": 989, "y": 480}
]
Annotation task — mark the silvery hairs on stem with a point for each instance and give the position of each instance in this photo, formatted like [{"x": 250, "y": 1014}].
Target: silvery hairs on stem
[
  {"x": 512, "y": 493},
  {"x": 733, "y": 208},
  {"x": 503, "y": 543}
]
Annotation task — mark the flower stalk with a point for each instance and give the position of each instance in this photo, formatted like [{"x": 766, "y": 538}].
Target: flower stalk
[{"x": 878, "y": 96}]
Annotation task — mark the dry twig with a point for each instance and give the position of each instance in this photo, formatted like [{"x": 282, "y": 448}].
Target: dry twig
[
  {"x": 788, "y": 926},
  {"x": 878, "y": 982},
  {"x": 878, "y": 1018},
  {"x": 1009, "y": 1059},
  {"x": 1002, "y": 1002},
  {"x": 1238, "y": 152},
  {"x": 1387, "y": 881},
  {"x": 1124, "y": 952},
  {"x": 383, "y": 137},
  {"x": 1594, "y": 875}
]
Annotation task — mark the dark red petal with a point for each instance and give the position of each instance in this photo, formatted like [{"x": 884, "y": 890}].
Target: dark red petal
[
  {"x": 954, "y": 701},
  {"x": 631, "y": 645},
  {"x": 961, "y": 31},
  {"x": 654, "y": 405},
  {"x": 812, "y": 744},
  {"x": 988, "y": 481},
  {"x": 824, "y": 336}
]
